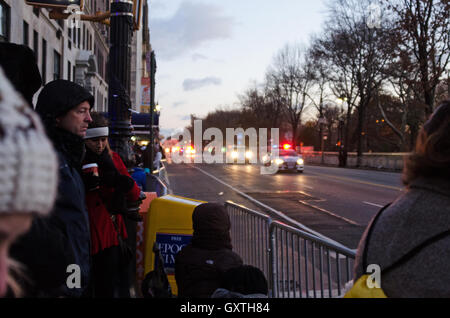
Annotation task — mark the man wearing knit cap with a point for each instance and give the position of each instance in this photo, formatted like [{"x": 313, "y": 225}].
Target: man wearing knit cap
[
  {"x": 64, "y": 108},
  {"x": 200, "y": 264},
  {"x": 28, "y": 176}
]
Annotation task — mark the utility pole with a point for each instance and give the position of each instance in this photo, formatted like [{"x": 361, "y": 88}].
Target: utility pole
[
  {"x": 119, "y": 79},
  {"x": 152, "y": 107}
]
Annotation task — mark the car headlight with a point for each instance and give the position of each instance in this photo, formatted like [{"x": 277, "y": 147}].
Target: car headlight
[
  {"x": 279, "y": 161},
  {"x": 234, "y": 154},
  {"x": 248, "y": 154},
  {"x": 300, "y": 161}
]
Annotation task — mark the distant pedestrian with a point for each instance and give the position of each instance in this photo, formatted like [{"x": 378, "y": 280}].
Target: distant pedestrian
[
  {"x": 19, "y": 63},
  {"x": 245, "y": 281},
  {"x": 139, "y": 175},
  {"x": 200, "y": 264},
  {"x": 53, "y": 244},
  {"x": 410, "y": 239},
  {"x": 28, "y": 179}
]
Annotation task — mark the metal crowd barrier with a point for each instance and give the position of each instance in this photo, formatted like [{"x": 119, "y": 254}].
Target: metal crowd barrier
[{"x": 297, "y": 264}]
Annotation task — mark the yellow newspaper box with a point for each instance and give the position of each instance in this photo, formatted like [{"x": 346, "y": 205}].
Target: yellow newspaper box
[{"x": 169, "y": 224}]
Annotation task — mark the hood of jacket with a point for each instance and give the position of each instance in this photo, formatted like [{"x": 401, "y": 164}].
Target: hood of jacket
[{"x": 211, "y": 225}]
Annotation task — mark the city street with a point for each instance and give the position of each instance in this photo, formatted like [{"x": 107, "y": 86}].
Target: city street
[{"x": 338, "y": 203}]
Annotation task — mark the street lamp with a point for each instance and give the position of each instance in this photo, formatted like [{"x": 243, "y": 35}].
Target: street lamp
[
  {"x": 343, "y": 143},
  {"x": 322, "y": 122}
]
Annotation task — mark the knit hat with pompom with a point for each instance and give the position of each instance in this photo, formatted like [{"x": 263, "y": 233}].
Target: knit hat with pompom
[{"x": 28, "y": 163}]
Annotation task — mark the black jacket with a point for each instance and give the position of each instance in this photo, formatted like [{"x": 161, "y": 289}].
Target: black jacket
[{"x": 55, "y": 242}]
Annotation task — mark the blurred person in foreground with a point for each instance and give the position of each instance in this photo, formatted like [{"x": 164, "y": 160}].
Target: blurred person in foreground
[
  {"x": 57, "y": 249},
  {"x": 410, "y": 239},
  {"x": 28, "y": 180},
  {"x": 106, "y": 197},
  {"x": 20, "y": 67},
  {"x": 200, "y": 265}
]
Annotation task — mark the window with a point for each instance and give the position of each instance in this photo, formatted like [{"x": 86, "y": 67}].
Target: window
[
  {"x": 44, "y": 61},
  {"x": 69, "y": 38},
  {"x": 36, "y": 11},
  {"x": 78, "y": 37},
  {"x": 69, "y": 71},
  {"x": 36, "y": 44},
  {"x": 84, "y": 38},
  {"x": 4, "y": 22},
  {"x": 56, "y": 65},
  {"x": 26, "y": 31}
]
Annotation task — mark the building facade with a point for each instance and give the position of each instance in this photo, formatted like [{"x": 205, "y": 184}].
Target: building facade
[{"x": 62, "y": 51}]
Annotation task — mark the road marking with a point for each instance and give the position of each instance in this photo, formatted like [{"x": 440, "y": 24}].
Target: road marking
[
  {"x": 307, "y": 187},
  {"x": 280, "y": 214},
  {"x": 374, "y": 204},
  {"x": 328, "y": 212},
  {"x": 358, "y": 181}
]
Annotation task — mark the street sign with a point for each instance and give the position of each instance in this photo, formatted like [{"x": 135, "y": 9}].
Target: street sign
[{"x": 54, "y": 3}]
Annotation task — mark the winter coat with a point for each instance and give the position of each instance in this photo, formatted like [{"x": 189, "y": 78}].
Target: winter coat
[
  {"x": 140, "y": 177},
  {"x": 422, "y": 212},
  {"x": 198, "y": 271},
  {"x": 225, "y": 293},
  {"x": 55, "y": 242},
  {"x": 200, "y": 264},
  {"x": 103, "y": 232}
]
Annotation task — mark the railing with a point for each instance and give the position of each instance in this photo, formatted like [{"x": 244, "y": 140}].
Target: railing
[{"x": 296, "y": 263}]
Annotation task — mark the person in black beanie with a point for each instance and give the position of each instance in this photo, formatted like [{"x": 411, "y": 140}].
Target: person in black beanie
[
  {"x": 63, "y": 239},
  {"x": 19, "y": 65},
  {"x": 200, "y": 264}
]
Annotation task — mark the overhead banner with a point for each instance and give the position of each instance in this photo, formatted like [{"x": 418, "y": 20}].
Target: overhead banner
[{"x": 145, "y": 93}]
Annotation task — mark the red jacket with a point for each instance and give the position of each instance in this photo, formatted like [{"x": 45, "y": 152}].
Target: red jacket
[{"x": 103, "y": 232}]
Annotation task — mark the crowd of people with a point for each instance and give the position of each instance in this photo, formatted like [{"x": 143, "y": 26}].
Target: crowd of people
[{"x": 64, "y": 196}]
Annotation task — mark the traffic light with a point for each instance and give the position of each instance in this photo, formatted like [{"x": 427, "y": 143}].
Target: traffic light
[{"x": 54, "y": 3}]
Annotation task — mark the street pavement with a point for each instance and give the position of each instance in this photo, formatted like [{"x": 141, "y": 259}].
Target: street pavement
[{"x": 336, "y": 202}]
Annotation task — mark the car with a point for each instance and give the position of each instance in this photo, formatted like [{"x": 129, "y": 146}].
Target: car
[
  {"x": 241, "y": 154},
  {"x": 287, "y": 159}
]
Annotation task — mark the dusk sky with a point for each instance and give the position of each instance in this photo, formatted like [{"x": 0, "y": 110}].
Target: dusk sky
[{"x": 210, "y": 51}]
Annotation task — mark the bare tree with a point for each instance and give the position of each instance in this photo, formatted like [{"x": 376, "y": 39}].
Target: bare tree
[
  {"x": 422, "y": 31},
  {"x": 359, "y": 54},
  {"x": 288, "y": 76}
]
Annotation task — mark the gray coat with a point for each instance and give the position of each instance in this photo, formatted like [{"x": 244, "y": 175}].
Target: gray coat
[{"x": 422, "y": 212}]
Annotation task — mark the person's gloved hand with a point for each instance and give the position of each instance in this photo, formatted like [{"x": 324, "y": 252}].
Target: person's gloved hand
[
  {"x": 117, "y": 204},
  {"x": 109, "y": 172},
  {"x": 123, "y": 183},
  {"x": 91, "y": 181}
]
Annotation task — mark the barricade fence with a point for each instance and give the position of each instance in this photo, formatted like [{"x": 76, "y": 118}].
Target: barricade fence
[{"x": 296, "y": 263}]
